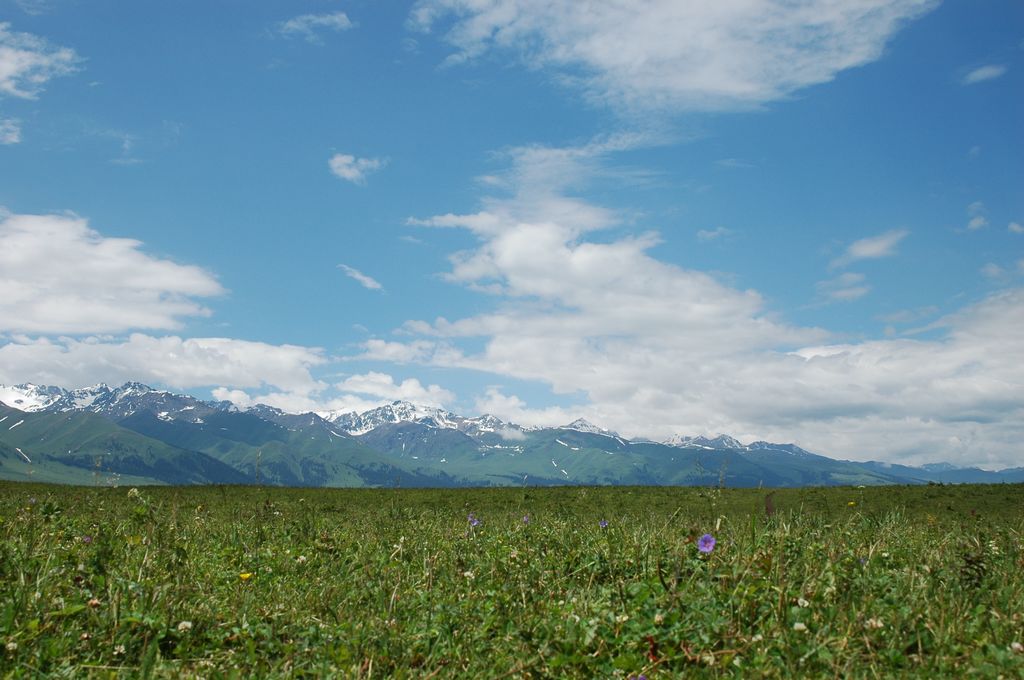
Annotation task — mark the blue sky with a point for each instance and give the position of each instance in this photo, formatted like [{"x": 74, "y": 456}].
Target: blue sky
[{"x": 797, "y": 221}]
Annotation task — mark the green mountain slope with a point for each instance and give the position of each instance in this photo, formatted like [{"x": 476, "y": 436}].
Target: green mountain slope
[{"x": 89, "y": 443}]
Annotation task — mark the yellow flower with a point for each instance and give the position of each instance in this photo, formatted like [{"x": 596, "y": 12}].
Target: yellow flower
[
  {"x": 245, "y": 575},
  {"x": 851, "y": 504}
]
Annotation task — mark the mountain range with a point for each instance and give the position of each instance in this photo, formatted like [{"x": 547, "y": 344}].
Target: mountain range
[{"x": 134, "y": 434}]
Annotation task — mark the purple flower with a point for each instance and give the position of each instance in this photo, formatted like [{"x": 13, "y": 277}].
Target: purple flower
[
  {"x": 473, "y": 521},
  {"x": 526, "y": 519},
  {"x": 87, "y": 539},
  {"x": 706, "y": 543},
  {"x": 603, "y": 524}
]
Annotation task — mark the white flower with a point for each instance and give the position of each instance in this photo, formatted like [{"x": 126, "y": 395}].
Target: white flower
[
  {"x": 799, "y": 627},
  {"x": 13, "y": 646},
  {"x": 301, "y": 559},
  {"x": 874, "y": 624},
  {"x": 802, "y": 602},
  {"x": 1016, "y": 647},
  {"x": 184, "y": 626}
]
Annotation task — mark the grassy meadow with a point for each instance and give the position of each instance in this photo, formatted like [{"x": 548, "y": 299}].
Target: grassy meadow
[{"x": 923, "y": 581}]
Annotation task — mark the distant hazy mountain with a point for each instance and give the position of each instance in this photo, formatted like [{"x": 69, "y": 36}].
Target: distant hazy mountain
[{"x": 136, "y": 434}]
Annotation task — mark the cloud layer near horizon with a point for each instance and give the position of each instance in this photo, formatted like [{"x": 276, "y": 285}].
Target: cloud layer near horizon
[{"x": 658, "y": 349}]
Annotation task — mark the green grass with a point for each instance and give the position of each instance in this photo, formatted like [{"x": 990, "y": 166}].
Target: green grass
[{"x": 909, "y": 581}]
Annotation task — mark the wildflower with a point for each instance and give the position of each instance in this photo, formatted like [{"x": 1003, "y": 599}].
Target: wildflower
[
  {"x": 94, "y": 602},
  {"x": 119, "y": 650},
  {"x": 706, "y": 543},
  {"x": 469, "y": 575},
  {"x": 1014, "y": 647},
  {"x": 245, "y": 575},
  {"x": 87, "y": 539},
  {"x": 874, "y": 624},
  {"x": 851, "y": 504},
  {"x": 799, "y": 627},
  {"x": 526, "y": 519},
  {"x": 757, "y": 638},
  {"x": 12, "y": 646},
  {"x": 184, "y": 626},
  {"x": 637, "y": 677},
  {"x": 603, "y": 524},
  {"x": 659, "y": 619},
  {"x": 802, "y": 602},
  {"x": 133, "y": 492},
  {"x": 473, "y": 521},
  {"x": 301, "y": 559},
  {"x": 84, "y": 636}
]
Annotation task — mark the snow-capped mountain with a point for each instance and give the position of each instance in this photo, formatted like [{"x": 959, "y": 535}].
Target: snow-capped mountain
[
  {"x": 722, "y": 441},
  {"x": 113, "y": 403},
  {"x": 791, "y": 449},
  {"x": 175, "y": 438},
  {"x": 584, "y": 425},
  {"x": 359, "y": 423},
  {"x": 30, "y": 398}
]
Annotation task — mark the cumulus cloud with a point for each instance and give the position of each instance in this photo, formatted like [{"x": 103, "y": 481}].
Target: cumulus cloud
[
  {"x": 659, "y": 349},
  {"x": 352, "y": 169},
  {"x": 1015, "y": 228},
  {"x": 383, "y": 386},
  {"x": 59, "y": 276},
  {"x": 176, "y": 362},
  {"x": 983, "y": 73},
  {"x": 310, "y": 26},
  {"x": 364, "y": 280},
  {"x": 28, "y": 62},
  {"x": 874, "y": 247},
  {"x": 671, "y": 55}
]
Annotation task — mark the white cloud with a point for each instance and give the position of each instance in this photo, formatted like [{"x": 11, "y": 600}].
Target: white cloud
[
  {"x": 364, "y": 280},
  {"x": 60, "y": 276},
  {"x": 713, "y": 234},
  {"x": 658, "y": 349},
  {"x": 977, "y": 222},
  {"x": 10, "y": 131},
  {"x": 983, "y": 73},
  {"x": 354, "y": 169},
  {"x": 993, "y": 271},
  {"x": 28, "y": 62},
  {"x": 976, "y": 211},
  {"x": 846, "y": 287},
  {"x": 383, "y": 386},
  {"x": 309, "y": 26},
  {"x": 873, "y": 247},
  {"x": 671, "y": 55},
  {"x": 1015, "y": 228},
  {"x": 172, "y": 361}
]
